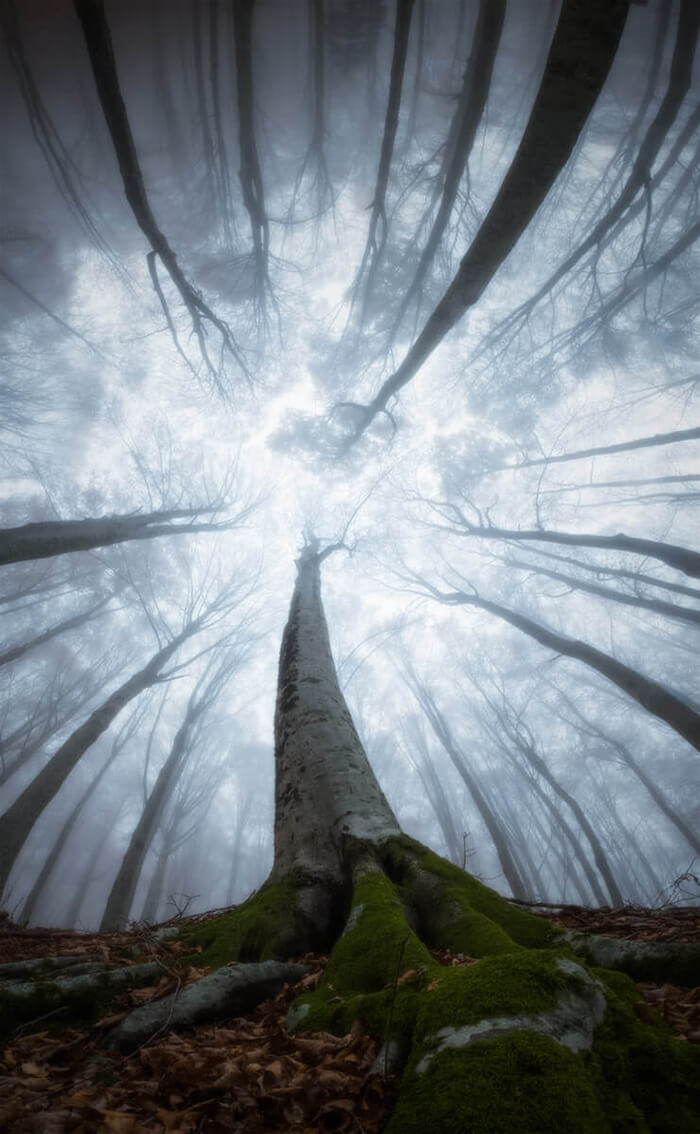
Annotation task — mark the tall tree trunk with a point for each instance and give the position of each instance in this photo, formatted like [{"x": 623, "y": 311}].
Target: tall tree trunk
[
  {"x": 17, "y": 822},
  {"x": 16, "y": 652},
  {"x": 58, "y": 537},
  {"x": 647, "y": 693},
  {"x": 582, "y": 52},
  {"x": 250, "y": 173},
  {"x": 680, "y": 558},
  {"x": 511, "y": 871},
  {"x": 121, "y": 896},
  {"x": 98, "y": 41},
  {"x": 378, "y": 219},
  {"x": 640, "y": 175},
  {"x": 53, "y": 855},
  {"x": 325, "y": 790},
  {"x": 346, "y": 879},
  {"x": 467, "y": 116},
  {"x": 654, "y": 606},
  {"x": 672, "y": 438}
]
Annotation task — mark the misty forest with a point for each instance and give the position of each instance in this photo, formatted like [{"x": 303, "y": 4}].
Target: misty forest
[{"x": 387, "y": 309}]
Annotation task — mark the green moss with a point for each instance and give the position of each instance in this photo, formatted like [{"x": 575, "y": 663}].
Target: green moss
[
  {"x": 376, "y": 969},
  {"x": 263, "y": 927},
  {"x": 518, "y": 984},
  {"x": 51, "y": 1006},
  {"x": 377, "y": 945},
  {"x": 483, "y": 922},
  {"x": 647, "y": 1079},
  {"x": 523, "y": 1083}
]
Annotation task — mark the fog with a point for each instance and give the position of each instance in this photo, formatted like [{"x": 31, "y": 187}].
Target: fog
[{"x": 336, "y": 266}]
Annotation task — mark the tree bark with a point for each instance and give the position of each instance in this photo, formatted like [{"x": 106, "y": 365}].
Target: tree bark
[
  {"x": 581, "y": 54},
  {"x": 58, "y": 537},
  {"x": 640, "y": 175},
  {"x": 680, "y": 558},
  {"x": 672, "y": 438},
  {"x": 470, "y": 108},
  {"x": 17, "y": 822},
  {"x": 654, "y": 606},
  {"x": 378, "y": 219},
  {"x": 54, "y": 854},
  {"x": 647, "y": 693},
  {"x": 250, "y": 173},
  {"x": 98, "y": 41}
]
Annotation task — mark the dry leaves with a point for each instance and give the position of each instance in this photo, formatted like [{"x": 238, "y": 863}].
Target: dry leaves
[{"x": 249, "y": 1075}]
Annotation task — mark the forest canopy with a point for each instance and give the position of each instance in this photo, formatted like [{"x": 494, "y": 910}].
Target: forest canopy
[{"x": 419, "y": 278}]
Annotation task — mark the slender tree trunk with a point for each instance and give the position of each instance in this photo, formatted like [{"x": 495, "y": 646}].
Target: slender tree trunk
[
  {"x": 121, "y": 896},
  {"x": 53, "y": 855},
  {"x": 156, "y": 885},
  {"x": 16, "y": 652},
  {"x": 98, "y": 41},
  {"x": 581, "y": 54},
  {"x": 470, "y": 108},
  {"x": 655, "y": 606},
  {"x": 250, "y": 173},
  {"x": 378, "y": 219},
  {"x": 680, "y": 558},
  {"x": 634, "y": 577},
  {"x": 672, "y": 438},
  {"x": 58, "y": 537},
  {"x": 647, "y": 693},
  {"x": 491, "y": 820},
  {"x": 17, "y": 822},
  {"x": 640, "y": 175}
]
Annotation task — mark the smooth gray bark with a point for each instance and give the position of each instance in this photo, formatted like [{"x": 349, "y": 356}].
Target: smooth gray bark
[{"x": 325, "y": 789}]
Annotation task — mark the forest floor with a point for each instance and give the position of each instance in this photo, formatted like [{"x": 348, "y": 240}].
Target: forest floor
[{"x": 249, "y": 1074}]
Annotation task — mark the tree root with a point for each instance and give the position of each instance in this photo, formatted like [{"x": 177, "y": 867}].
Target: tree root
[{"x": 230, "y": 991}]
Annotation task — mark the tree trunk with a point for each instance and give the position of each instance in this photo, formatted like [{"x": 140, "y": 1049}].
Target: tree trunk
[
  {"x": 98, "y": 41},
  {"x": 680, "y": 558},
  {"x": 250, "y": 173},
  {"x": 647, "y": 693},
  {"x": 17, "y": 822},
  {"x": 582, "y": 52},
  {"x": 54, "y": 854},
  {"x": 500, "y": 1045},
  {"x": 58, "y": 537},
  {"x": 470, "y": 108},
  {"x": 672, "y": 438},
  {"x": 655, "y": 606},
  {"x": 121, "y": 896},
  {"x": 378, "y": 219},
  {"x": 640, "y": 175},
  {"x": 16, "y": 652}
]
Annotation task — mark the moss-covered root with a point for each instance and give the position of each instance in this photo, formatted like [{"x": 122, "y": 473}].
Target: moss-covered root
[
  {"x": 672, "y": 961},
  {"x": 230, "y": 991},
  {"x": 65, "y": 1001},
  {"x": 527, "y": 1040},
  {"x": 456, "y": 911},
  {"x": 281, "y": 920}
]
